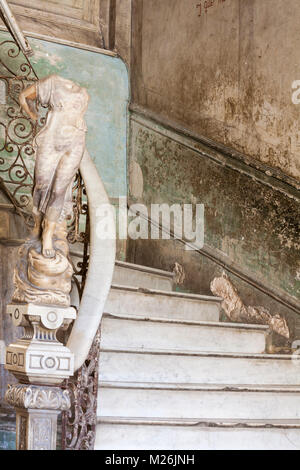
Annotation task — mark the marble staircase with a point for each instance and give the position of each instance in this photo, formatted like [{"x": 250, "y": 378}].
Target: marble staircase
[{"x": 172, "y": 376}]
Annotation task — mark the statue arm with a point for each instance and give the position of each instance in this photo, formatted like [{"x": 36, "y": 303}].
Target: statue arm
[{"x": 31, "y": 94}]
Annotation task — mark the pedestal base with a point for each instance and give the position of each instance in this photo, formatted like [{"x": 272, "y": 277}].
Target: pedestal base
[{"x": 37, "y": 409}]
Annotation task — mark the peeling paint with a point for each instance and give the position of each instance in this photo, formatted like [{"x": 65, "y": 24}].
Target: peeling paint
[
  {"x": 254, "y": 225},
  {"x": 227, "y": 76}
]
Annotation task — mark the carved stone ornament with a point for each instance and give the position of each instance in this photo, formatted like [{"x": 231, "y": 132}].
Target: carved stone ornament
[
  {"x": 237, "y": 311},
  {"x": 35, "y": 397},
  {"x": 179, "y": 274},
  {"x": 37, "y": 409},
  {"x": 40, "y": 280}
]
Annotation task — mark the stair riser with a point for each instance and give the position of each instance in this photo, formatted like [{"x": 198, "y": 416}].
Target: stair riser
[
  {"x": 137, "y": 303},
  {"x": 123, "y": 334},
  {"x": 163, "y": 368},
  {"x": 143, "y": 403},
  {"x": 134, "y": 278},
  {"x": 143, "y": 437}
]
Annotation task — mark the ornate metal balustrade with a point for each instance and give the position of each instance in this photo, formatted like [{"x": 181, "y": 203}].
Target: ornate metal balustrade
[{"x": 17, "y": 133}]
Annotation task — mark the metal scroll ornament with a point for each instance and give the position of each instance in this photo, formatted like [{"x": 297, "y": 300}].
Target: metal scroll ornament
[
  {"x": 79, "y": 423},
  {"x": 79, "y": 232},
  {"x": 17, "y": 131}
]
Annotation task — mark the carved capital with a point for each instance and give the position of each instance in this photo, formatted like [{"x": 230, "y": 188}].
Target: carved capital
[
  {"x": 50, "y": 317},
  {"x": 38, "y": 398}
]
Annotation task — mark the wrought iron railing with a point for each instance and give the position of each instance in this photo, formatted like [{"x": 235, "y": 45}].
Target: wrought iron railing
[{"x": 17, "y": 130}]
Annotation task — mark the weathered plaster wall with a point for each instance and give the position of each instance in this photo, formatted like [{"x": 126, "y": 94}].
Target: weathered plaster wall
[
  {"x": 249, "y": 226},
  {"x": 226, "y": 75}
]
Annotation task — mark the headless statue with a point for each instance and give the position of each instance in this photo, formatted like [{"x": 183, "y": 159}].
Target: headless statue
[
  {"x": 43, "y": 273},
  {"x": 59, "y": 149}
]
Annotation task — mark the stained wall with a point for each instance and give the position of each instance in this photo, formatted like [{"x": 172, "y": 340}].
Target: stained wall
[
  {"x": 223, "y": 69},
  {"x": 213, "y": 122}
]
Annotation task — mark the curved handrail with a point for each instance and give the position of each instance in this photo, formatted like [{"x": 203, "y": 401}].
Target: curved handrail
[{"x": 101, "y": 264}]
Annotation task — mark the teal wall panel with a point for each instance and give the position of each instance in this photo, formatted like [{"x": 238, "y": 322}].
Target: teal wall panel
[{"x": 106, "y": 80}]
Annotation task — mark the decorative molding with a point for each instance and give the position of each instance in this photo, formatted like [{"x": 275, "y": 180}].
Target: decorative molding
[
  {"x": 65, "y": 18},
  {"x": 218, "y": 153},
  {"x": 65, "y": 42},
  {"x": 37, "y": 409},
  {"x": 40, "y": 398}
]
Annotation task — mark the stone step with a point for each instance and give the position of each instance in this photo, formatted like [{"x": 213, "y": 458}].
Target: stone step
[
  {"x": 192, "y": 401},
  {"x": 131, "y": 301},
  {"x": 128, "y": 274},
  {"x": 168, "y": 434},
  {"x": 134, "y": 275},
  {"x": 146, "y": 365},
  {"x": 121, "y": 332}
]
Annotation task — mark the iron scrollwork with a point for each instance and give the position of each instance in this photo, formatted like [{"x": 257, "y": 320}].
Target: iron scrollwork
[
  {"x": 79, "y": 232},
  {"x": 17, "y": 131},
  {"x": 79, "y": 423}
]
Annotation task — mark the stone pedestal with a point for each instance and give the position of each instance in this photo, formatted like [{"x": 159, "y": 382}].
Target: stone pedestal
[
  {"x": 38, "y": 357},
  {"x": 41, "y": 363},
  {"x": 37, "y": 409}
]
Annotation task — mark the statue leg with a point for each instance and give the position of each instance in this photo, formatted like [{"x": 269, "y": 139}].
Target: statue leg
[
  {"x": 47, "y": 238},
  {"x": 54, "y": 215},
  {"x": 37, "y": 229},
  {"x": 64, "y": 175}
]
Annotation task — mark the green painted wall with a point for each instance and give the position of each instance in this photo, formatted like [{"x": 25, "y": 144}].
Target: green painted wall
[
  {"x": 106, "y": 80},
  {"x": 246, "y": 222}
]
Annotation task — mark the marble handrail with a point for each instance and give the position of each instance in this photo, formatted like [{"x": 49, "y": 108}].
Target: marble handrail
[{"x": 102, "y": 253}]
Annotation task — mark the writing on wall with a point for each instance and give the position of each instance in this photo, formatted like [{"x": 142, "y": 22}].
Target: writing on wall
[{"x": 204, "y": 5}]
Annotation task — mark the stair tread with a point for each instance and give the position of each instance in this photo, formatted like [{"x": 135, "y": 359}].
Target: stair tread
[
  {"x": 200, "y": 387},
  {"x": 172, "y": 294},
  {"x": 179, "y": 352},
  {"x": 133, "y": 266},
  {"x": 236, "y": 326},
  {"x": 145, "y": 269},
  {"x": 228, "y": 423}
]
